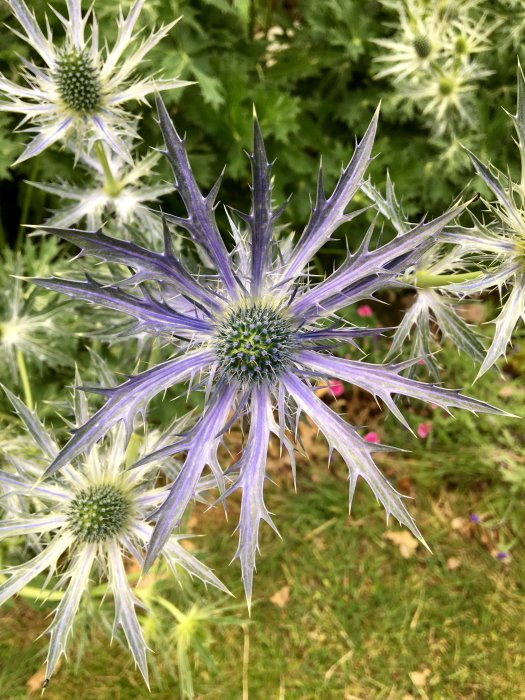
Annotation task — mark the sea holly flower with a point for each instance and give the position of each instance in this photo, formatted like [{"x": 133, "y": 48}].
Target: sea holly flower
[
  {"x": 91, "y": 520},
  {"x": 420, "y": 37},
  {"x": 446, "y": 95},
  {"x": 502, "y": 239},
  {"x": 433, "y": 60},
  {"x": 433, "y": 306},
  {"x": 257, "y": 334},
  {"x": 80, "y": 89},
  {"x": 33, "y": 327},
  {"x": 113, "y": 189},
  {"x": 467, "y": 35}
]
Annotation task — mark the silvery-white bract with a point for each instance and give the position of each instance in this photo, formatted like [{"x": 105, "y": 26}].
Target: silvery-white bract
[
  {"x": 87, "y": 522},
  {"x": 80, "y": 89}
]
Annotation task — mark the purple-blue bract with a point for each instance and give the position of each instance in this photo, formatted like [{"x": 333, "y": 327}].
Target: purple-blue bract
[{"x": 257, "y": 333}]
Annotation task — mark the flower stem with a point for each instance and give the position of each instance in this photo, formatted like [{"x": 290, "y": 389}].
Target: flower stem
[
  {"x": 424, "y": 280},
  {"x": 28, "y": 194},
  {"x": 111, "y": 185},
  {"x": 25, "y": 379},
  {"x": 34, "y": 593},
  {"x": 2, "y": 234}
]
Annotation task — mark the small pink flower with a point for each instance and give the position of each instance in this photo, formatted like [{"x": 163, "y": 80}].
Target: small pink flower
[
  {"x": 336, "y": 387},
  {"x": 423, "y": 430},
  {"x": 433, "y": 406},
  {"x": 421, "y": 361},
  {"x": 364, "y": 311},
  {"x": 371, "y": 437}
]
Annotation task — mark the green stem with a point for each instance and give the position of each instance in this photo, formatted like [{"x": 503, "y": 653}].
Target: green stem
[
  {"x": 34, "y": 593},
  {"x": 424, "y": 280},
  {"x": 25, "y": 379},
  {"x": 28, "y": 194},
  {"x": 111, "y": 185},
  {"x": 3, "y": 240}
]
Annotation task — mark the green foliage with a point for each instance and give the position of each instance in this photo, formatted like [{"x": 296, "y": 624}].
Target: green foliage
[{"x": 309, "y": 70}]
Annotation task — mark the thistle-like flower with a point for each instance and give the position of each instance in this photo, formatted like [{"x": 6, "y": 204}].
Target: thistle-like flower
[
  {"x": 502, "y": 238},
  {"x": 446, "y": 95},
  {"x": 91, "y": 519},
  {"x": 257, "y": 334},
  {"x": 467, "y": 35},
  {"x": 118, "y": 191},
  {"x": 419, "y": 40},
  {"x": 433, "y": 305},
  {"x": 79, "y": 91},
  {"x": 32, "y": 326},
  {"x": 432, "y": 59}
]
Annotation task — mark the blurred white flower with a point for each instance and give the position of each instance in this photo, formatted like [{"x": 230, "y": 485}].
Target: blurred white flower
[
  {"x": 32, "y": 324},
  {"x": 467, "y": 35},
  {"x": 446, "y": 97},
  {"x": 421, "y": 34},
  {"x": 114, "y": 189},
  {"x": 80, "y": 89}
]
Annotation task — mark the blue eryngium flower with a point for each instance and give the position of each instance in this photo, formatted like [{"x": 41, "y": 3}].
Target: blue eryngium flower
[{"x": 258, "y": 332}]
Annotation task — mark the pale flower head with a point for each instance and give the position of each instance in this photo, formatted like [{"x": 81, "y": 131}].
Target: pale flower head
[
  {"x": 501, "y": 236},
  {"x": 419, "y": 40},
  {"x": 31, "y": 323},
  {"x": 446, "y": 97},
  {"x": 78, "y": 88},
  {"x": 90, "y": 523},
  {"x": 114, "y": 189}
]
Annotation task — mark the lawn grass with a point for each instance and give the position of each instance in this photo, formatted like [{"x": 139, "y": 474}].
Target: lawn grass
[{"x": 356, "y": 618}]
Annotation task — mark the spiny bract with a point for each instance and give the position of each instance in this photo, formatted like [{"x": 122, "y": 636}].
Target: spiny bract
[{"x": 256, "y": 332}]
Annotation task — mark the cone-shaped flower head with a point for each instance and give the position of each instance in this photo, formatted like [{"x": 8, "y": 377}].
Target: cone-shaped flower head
[
  {"x": 80, "y": 89},
  {"x": 88, "y": 523},
  {"x": 257, "y": 332}
]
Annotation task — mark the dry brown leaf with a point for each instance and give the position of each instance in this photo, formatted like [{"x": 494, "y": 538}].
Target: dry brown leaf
[
  {"x": 461, "y": 525},
  {"x": 281, "y": 597},
  {"x": 35, "y": 683},
  {"x": 473, "y": 313},
  {"x": 405, "y": 541},
  {"x": 453, "y": 563},
  {"x": 420, "y": 678}
]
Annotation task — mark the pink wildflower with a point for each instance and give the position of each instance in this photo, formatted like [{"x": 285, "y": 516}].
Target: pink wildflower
[
  {"x": 336, "y": 387},
  {"x": 423, "y": 430},
  {"x": 364, "y": 311},
  {"x": 371, "y": 437}
]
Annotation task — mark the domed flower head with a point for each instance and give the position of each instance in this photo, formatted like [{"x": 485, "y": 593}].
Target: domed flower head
[
  {"x": 446, "y": 94},
  {"x": 88, "y": 523},
  {"x": 80, "y": 89},
  {"x": 419, "y": 40},
  {"x": 257, "y": 333}
]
